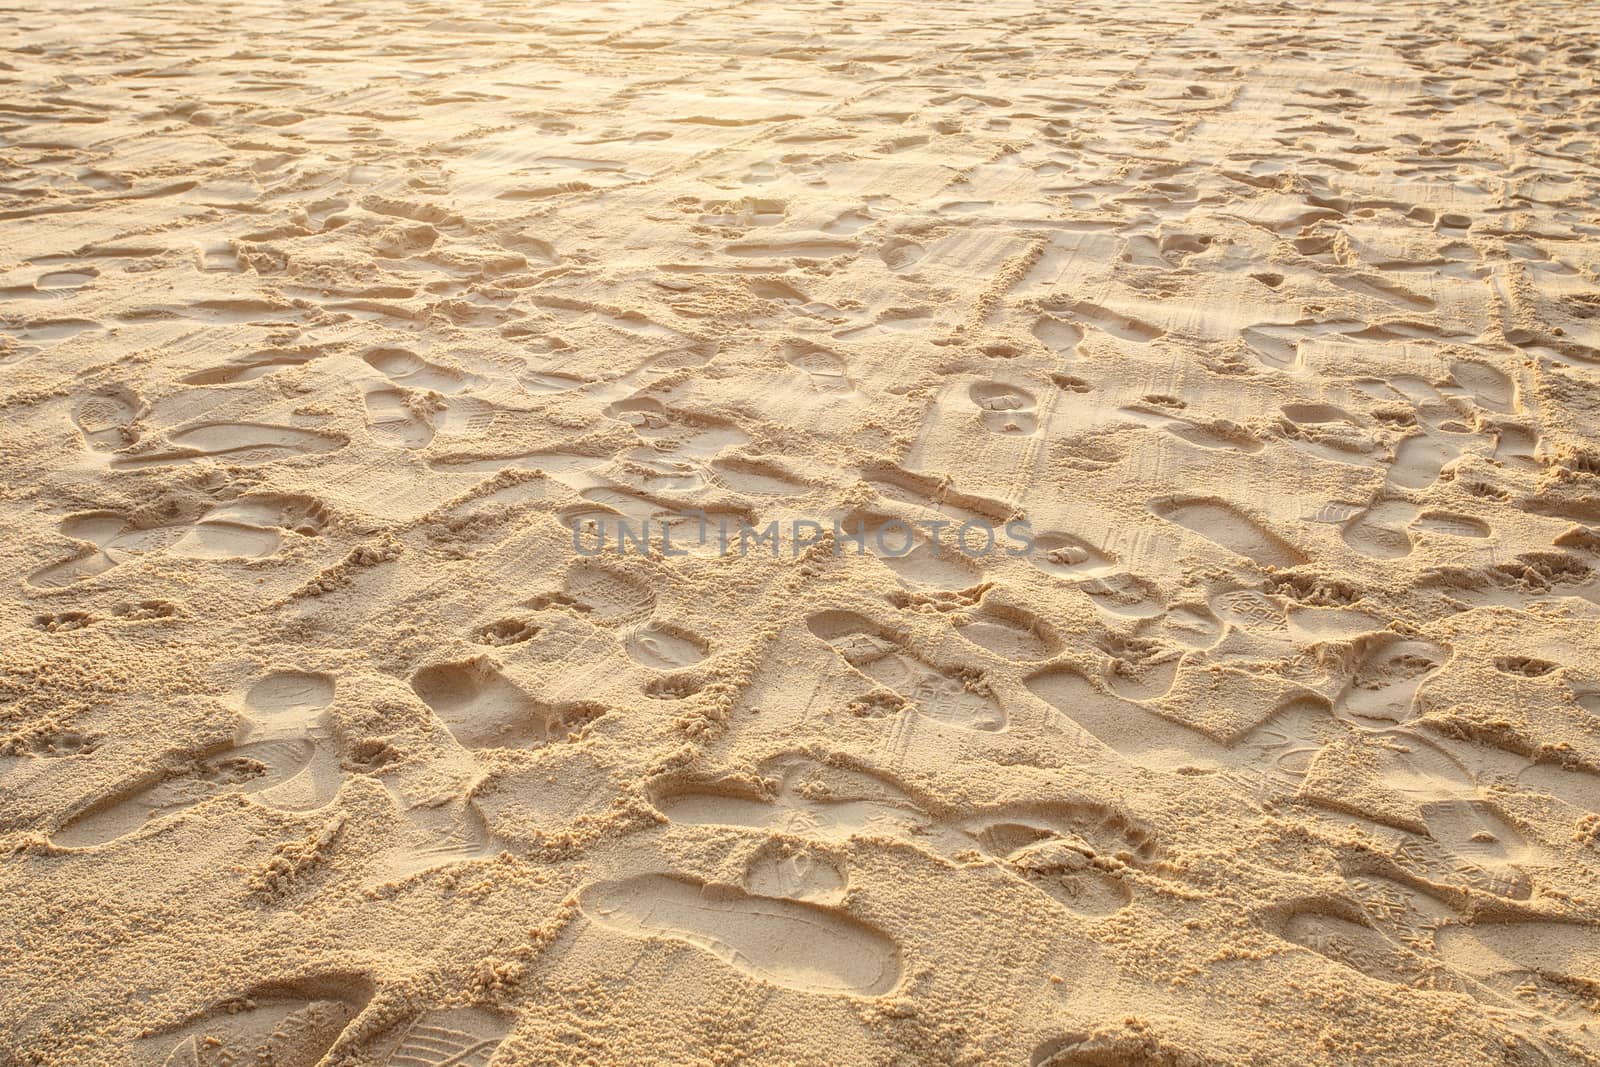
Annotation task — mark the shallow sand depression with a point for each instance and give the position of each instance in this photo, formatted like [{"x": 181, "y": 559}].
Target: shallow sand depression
[{"x": 1264, "y": 340}]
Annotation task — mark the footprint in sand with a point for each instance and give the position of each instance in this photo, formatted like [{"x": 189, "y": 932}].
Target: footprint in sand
[
  {"x": 399, "y": 418},
  {"x": 107, "y": 418},
  {"x": 1380, "y": 530},
  {"x": 1545, "y": 966},
  {"x": 288, "y": 1026},
  {"x": 290, "y": 692},
  {"x": 673, "y": 431},
  {"x": 1321, "y": 928},
  {"x": 1122, "y": 327},
  {"x": 449, "y": 1037},
  {"x": 665, "y": 647},
  {"x": 45, "y": 331},
  {"x": 929, "y": 566},
  {"x": 1383, "y": 289},
  {"x": 826, "y": 370},
  {"x": 1142, "y": 736},
  {"x": 1073, "y": 852},
  {"x": 1010, "y": 633},
  {"x": 1433, "y": 814},
  {"x": 789, "y": 943},
  {"x": 1277, "y": 755},
  {"x": 755, "y": 477},
  {"x": 63, "y": 283},
  {"x": 249, "y": 368},
  {"x": 1140, "y": 668},
  {"x": 807, "y": 799},
  {"x": 403, "y": 418},
  {"x": 1274, "y": 754},
  {"x": 1215, "y": 434},
  {"x": 1418, "y": 460},
  {"x": 601, "y": 593},
  {"x": 550, "y": 382},
  {"x": 947, "y": 697},
  {"x": 1403, "y": 934},
  {"x": 900, "y": 253},
  {"x": 436, "y": 834},
  {"x": 1389, "y": 674},
  {"x": 908, "y": 552},
  {"x": 1193, "y": 625},
  {"x": 1123, "y": 594},
  {"x": 1452, "y": 525},
  {"x": 1063, "y": 555},
  {"x": 282, "y": 753},
  {"x": 1473, "y": 832},
  {"x": 1575, "y": 787},
  {"x": 1316, "y": 625},
  {"x": 782, "y": 869},
  {"x": 1058, "y": 335},
  {"x": 232, "y": 442},
  {"x": 114, "y": 540},
  {"x": 482, "y": 708},
  {"x": 1252, "y": 611},
  {"x": 1004, "y": 409},
  {"x": 250, "y": 528},
  {"x": 1490, "y": 387},
  {"x": 1328, "y": 432},
  {"x": 1225, "y": 525},
  {"x": 406, "y": 368},
  {"x": 779, "y": 292}
]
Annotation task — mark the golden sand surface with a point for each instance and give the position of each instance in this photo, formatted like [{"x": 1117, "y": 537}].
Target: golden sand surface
[{"x": 1265, "y": 335}]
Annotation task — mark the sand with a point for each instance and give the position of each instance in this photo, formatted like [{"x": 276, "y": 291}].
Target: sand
[{"x": 1274, "y": 329}]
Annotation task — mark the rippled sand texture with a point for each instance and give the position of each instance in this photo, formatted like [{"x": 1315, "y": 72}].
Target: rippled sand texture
[{"x": 322, "y": 326}]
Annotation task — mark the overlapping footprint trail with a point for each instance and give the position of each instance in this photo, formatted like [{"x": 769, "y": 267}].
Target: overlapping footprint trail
[
  {"x": 484, "y": 709},
  {"x": 1280, "y": 747},
  {"x": 1071, "y": 851},
  {"x": 1396, "y": 932},
  {"x": 945, "y": 697},
  {"x": 282, "y": 754}
]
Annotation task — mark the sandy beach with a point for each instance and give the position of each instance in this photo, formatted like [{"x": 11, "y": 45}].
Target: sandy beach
[{"x": 848, "y": 533}]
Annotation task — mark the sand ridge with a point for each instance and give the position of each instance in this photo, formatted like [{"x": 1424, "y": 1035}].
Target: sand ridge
[{"x": 323, "y": 329}]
